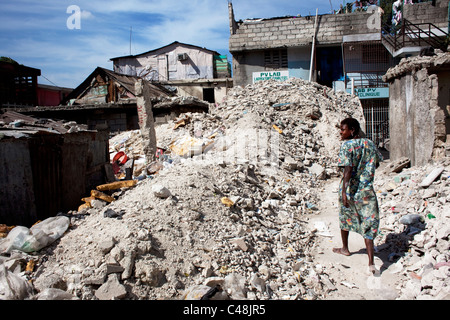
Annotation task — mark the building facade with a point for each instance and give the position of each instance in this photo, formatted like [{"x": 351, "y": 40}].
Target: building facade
[
  {"x": 345, "y": 51},
  {"x": 192, "y": 70}
]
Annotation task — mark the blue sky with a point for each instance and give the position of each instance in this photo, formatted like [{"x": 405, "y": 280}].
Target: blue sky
[{"x": 44, "y": 34}]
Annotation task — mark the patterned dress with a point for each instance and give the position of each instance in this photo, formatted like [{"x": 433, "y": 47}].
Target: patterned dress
[{"x": 362, "y": 216}]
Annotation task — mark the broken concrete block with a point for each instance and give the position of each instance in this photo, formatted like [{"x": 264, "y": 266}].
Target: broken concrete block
[
  {"x": 114, "y": 268},
  {"x": 161, "y": 191},
  {"x": 431, "y": 177},
  {"x": 235, "y": 286},
  {"x": 106, "y": 245},
  {"x": 290, "y": 164},
  {"x": 128, "y": 264},
  {"x": 429, "y": 193},
  {"x": 151, "y": 274},
  {"x": 240, "y": 243},
  {"x": 55, "y": 294},
  {"x": 317, "y": 170},
  {"x": 111, "y": 289},
  {"x": 397, "y": 165},
  {"x": 258, "y": 283}
]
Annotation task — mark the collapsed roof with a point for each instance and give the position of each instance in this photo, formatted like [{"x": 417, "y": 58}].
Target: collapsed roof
[{"x": 106, "y": 86}]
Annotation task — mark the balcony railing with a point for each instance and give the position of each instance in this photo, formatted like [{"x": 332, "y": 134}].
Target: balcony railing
[{"x": 414, "y": 35}]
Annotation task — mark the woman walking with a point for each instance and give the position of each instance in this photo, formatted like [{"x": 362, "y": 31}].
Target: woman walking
[{"x": 359, "y": 157}]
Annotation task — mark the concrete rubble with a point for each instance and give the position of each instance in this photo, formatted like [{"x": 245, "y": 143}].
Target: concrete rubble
[
  {"x": 410, "y": 64},
  {"x": 415, "y": 207},
  {"x": 228, "y": 218}
]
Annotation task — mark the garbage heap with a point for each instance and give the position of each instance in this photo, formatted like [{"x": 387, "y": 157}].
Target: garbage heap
[{"x": 221, "y": 216}]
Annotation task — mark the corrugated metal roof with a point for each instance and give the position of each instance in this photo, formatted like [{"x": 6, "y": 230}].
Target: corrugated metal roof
[{"x": 17, "y": 125}]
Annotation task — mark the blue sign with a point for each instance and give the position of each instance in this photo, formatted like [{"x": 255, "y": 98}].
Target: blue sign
[{"x": 371, "y": 93}]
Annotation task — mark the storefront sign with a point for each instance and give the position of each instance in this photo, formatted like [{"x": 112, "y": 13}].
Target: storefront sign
[
  {"x": 272, "y": 75},
  {"x": 371, "y": 93}
]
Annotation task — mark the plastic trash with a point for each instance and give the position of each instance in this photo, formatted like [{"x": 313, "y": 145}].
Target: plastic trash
[
  {"x": 322, "y": 229},
  {"x": 161, "y": 191},
  {"x": 13, "y": 286},
  {"x": 37, "y": 237},
  {"x": 411, "y": 219}
]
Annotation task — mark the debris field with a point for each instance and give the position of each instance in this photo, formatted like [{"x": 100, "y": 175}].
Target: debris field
[{"x": 223, "y": 212}]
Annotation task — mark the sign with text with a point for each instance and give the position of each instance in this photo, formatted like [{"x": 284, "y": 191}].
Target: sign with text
[
  {"x": 371, "y": 93},
  {"x": 270, "y": 75}
]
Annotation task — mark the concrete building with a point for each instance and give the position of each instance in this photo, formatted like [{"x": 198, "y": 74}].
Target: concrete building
[
  {"x": 420, "y": 108},
  {"x": 331, "y": 49},
  {"x": 191, "y": 70},
  {"x": 346, "y": 51}
]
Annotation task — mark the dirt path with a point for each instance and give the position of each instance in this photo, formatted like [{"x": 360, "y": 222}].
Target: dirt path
[{"x": 349, "y": 272}]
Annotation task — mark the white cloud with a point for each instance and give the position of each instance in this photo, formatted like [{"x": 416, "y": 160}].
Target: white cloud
[
  {"x": 203, "y": 27},
  {"x": 86, "y": 14}
]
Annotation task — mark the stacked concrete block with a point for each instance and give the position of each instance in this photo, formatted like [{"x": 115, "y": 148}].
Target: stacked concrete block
[
  {"x": 298, "y": 31},
  {"x": 426, "y": 12}
]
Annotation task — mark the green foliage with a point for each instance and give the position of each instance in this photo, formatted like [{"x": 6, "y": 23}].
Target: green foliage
[
  {"x": 386, "y": 5},
  {"x": 7, "y": 59}
]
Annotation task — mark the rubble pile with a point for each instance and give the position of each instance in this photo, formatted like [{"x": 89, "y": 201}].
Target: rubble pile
[
  {"x": 307, "y": 115},
  {"x": 438, "y": 59},
  {"x": 189, "y": 226},
  {"x": 225, "y": 214},
  {"x": 415, "y": 208},
  {"x": 218, "y": 216}
]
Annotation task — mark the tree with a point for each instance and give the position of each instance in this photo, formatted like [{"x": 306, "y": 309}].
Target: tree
[
  {"x": 7, "y": 59},
  {"x": 386, "y": 5}
]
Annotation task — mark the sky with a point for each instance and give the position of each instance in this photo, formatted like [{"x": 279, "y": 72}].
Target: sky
[{"x": 68, "y": 39}]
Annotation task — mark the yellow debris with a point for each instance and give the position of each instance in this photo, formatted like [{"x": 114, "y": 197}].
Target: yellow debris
[
  {"x": 226, "y": 201},
  {"x": 101, "y": 195},
  {"x": 117, "y": 185},
  {"x": 278, "y": 129}
]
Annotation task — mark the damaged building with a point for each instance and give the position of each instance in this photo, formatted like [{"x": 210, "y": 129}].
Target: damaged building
[
  {"x": 108, "y": 98},
  {"x": 346, "y": 51},
  {"x": 48, "y": 166},
  {"x": 188, "y": 69},
  {"x": 420, "y": 108},
  {"x": 181, "y": 78}
]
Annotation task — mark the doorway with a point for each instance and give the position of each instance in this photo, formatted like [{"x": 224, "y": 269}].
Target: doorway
[
  {"x": 329, "y": 65},
  {"x": 208, "y": 95}
]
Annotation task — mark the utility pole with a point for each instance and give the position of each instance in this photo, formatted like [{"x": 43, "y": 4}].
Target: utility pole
[{"x": 313, "y": 47}]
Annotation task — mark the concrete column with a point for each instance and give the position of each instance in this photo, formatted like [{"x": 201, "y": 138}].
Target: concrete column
[{"x": 146, "y": 121}]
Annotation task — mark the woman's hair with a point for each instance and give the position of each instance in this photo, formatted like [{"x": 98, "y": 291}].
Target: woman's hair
[{"x": 352, "y": 124}]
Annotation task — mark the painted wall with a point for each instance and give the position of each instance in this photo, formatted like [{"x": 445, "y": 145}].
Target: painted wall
[
  {"x": 164, "y": 65},
  {"x": 299, "y": 62}
]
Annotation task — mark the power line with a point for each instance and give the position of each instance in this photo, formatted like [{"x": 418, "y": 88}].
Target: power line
[{"x": 49, "y": 80}]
